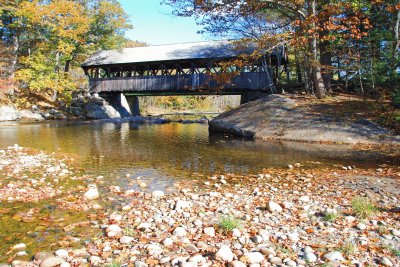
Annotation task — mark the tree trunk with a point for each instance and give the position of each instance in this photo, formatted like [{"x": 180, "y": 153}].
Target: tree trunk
[
  {"x": 14, "y": 55},
  {"x": 396, "y": 40},
  {"x": 326, "y": 63},
  {"x": 317, "y": 81}
]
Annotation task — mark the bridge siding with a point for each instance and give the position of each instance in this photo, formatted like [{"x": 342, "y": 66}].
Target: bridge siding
[{"x": 177, "y": 83}]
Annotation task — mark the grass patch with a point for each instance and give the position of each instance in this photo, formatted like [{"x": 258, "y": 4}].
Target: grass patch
[
  {"x": 394, "y": 251},
  {"x": 229, "y": 222},
  {"x": 348, "y": 248},
  {"x": 363, "y": 207},
  {"x": 330, "y": 216},
  {"x": 113, "y": 264},
  {"x": 129, "y": 231}
]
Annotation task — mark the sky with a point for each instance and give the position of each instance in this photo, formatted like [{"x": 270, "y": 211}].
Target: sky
[{"x": 154, "y": 24}]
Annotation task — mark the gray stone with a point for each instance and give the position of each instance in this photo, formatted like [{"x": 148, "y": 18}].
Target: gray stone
[
  {"x": 30, "y": 116},
  {"x": 97, "y": 108}
]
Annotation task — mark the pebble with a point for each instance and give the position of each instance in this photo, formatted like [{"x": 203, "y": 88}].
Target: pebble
[
  {"x": 310, "y": 257},
  {"x": 52, "y": 262},
  {"x": 168, "y": 242},
  {"x": 181, "y": 205},
  {"x": 275, "y": 260},
  {"x": 274, "y": 207},
  {"x": 237, "y": 264},
  {"x": 62, "y": 253},
  {"x": 126, "y": 240},
  {"x": 180, "y": 232},
  {"x": 224, "y": 254},
  {"x": 157, "y": 194},
  {"x": 92, "y": 192},
  {"x": 386, "y": 262},
  {"x": 361, "y": 226},
  {"x": 334, "y": 256},
  {"x": 210, "y": 231},
  {"x": 395, "y": 232},
  {"x": 19, "y": 247},
  {"x": 252, "y": 257}
]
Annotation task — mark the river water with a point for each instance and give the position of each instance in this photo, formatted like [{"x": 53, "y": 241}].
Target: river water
[{"x": 161, "y": 154}]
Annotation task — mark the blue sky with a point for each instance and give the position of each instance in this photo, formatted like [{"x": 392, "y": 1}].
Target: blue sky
[{"x": 154, "y": 25}]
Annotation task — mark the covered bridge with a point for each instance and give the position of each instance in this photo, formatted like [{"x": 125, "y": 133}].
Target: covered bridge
[{"x": 182, "y": 69}]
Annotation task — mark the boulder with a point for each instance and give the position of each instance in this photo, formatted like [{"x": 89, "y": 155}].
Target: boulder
[{"x": 9, "y": 113}]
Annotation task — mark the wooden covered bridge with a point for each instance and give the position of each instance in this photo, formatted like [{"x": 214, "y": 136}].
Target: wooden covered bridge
[{"x": 181, "y": 69}]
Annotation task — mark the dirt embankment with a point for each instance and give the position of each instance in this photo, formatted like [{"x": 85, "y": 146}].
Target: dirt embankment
[{"x": 285, "y": 118}]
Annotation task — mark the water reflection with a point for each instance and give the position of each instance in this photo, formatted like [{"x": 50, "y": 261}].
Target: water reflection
[{"x": 177, "y": 149}]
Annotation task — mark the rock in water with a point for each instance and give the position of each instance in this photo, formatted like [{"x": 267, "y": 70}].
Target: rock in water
[
  {"x": 52, "y": 262},
  {"x": 92, "y": 192}
]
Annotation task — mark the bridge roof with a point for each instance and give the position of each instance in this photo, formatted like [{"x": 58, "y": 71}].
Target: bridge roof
[{"x": 171, "y": 52}]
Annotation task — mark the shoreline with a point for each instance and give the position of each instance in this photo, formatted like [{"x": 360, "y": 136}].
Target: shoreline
[{"x": 290, "y": 217}]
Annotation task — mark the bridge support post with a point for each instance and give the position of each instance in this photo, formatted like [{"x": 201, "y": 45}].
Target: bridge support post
[
  {"x": 251, "y": 96},
  {"x": 133, "y": 102},
  {"x": 118, "y": 102}
]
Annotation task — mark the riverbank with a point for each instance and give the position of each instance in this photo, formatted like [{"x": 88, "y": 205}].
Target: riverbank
[
  {"x": 292, "y": 217},
  {"x": 289, "y": 117}
]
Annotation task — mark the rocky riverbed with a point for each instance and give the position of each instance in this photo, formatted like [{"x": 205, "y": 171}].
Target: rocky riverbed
[{"x": 280, "y": 217}]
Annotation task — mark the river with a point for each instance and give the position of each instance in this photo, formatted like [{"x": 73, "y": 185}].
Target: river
[{"x": 161, "y": 154}]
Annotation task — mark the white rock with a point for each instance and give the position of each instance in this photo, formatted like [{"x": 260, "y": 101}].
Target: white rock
[
  {"x": 142, "y": 185},
  {"x": 236, "y": 232},
  {"x": 252, "y": 257},
  {"x": 237, "y": 264},
  {"x": 65, "y": 264},
  {"x": 210, "y": 231},
  {"x": 361, "y": 226},
  {"x": 113, "y": 228},
  {"x": 224, "y": 254},
  {"x": 94, "y": 260},
  {"x": 19, "y": 247},
  {"x": 386, "y": 262},
  {"x": 310, "y": 257},
  {"x": 126, "y": 240},
  {"x": 181, "y": 205},
  {"x": 92, "y": 192},
  {"x": 180, "y": 232},
  {"x": 157, "y": 194},
  {"x": 395, "y": 232},
  {"x": 168, "y": 242},
  {"x": 334, "y": 256},
  {"x": 304, "y": 199},
  {"x": 274, "y": 207},
  {"x": 62, "y": 253},
  {"x": 198, "y": 259},
  {"x": 52, "y": 262}
]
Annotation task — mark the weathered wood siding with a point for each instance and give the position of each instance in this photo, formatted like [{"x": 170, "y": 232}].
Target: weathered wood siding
[{"x": 177, "y": 83}]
